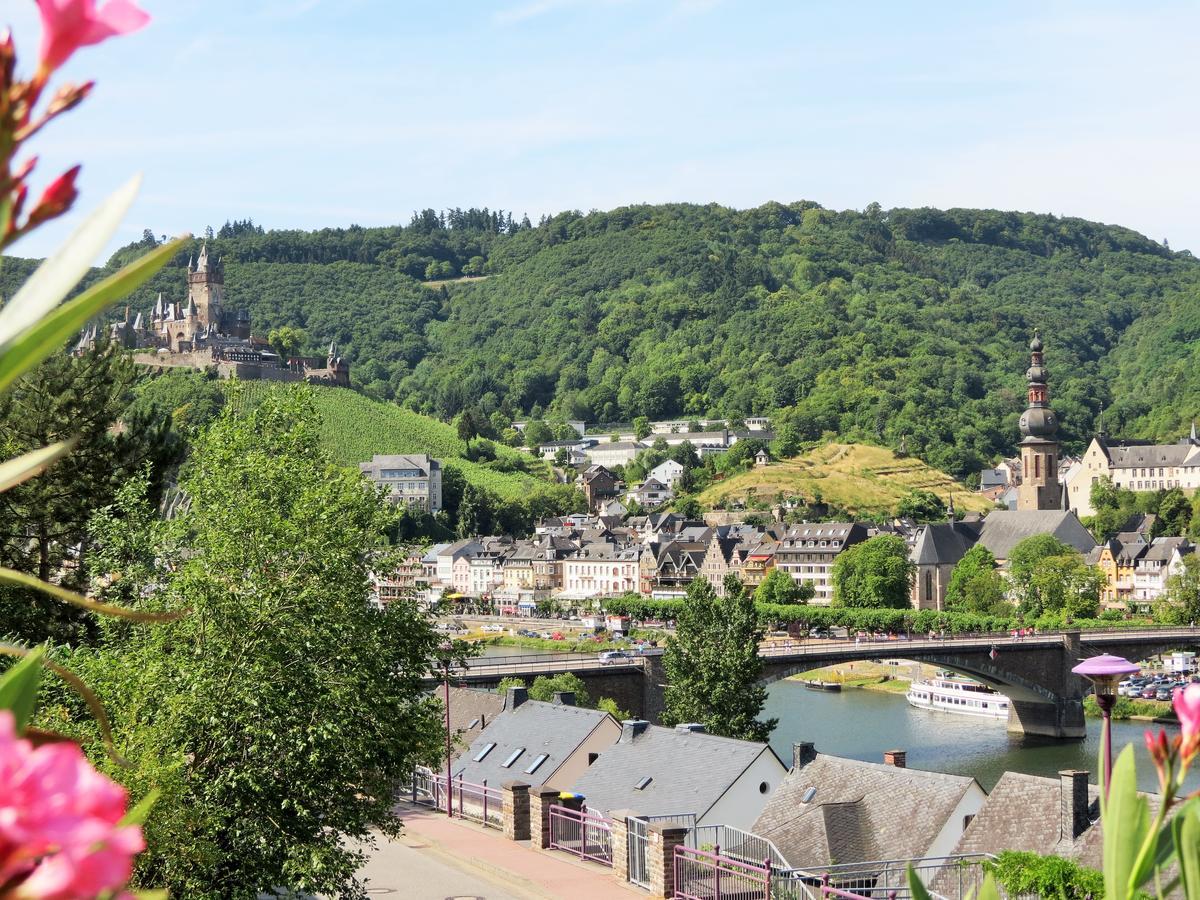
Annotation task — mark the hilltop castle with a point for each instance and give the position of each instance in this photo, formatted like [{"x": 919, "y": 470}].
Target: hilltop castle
[{"x": 201, "y": 334}]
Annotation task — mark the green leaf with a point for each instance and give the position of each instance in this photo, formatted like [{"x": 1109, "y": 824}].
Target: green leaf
[
  {"x": 1185, "y": 828},
  {"x": 19, "y": 687},
  {"x": 60, "y": 593},
  {"x": 88, "y": 695},
  {"x": 56, "y": 328},
  {"x": 137, "y": 815},
  {"x": 58, "y": 274},
  {"x": 988, "y": 890},
  {"x": 14, "y": 471},
  {"x": 915, "y": 886},
  {"x": 1126, "y": 823}
]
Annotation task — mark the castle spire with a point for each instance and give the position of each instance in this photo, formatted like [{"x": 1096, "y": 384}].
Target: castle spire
[
  {"x": 950, "y": 509},
  {"x": 202, "y": 262}
]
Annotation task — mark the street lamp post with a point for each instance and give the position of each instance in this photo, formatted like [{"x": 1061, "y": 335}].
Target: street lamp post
[
  {"x": 1105, "y": 672},
  {"x": 447, "y": 648}
]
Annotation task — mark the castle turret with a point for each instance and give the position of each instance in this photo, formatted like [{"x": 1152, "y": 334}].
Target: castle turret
[
  {"x": 206, "y": 288},
  {"x": 1039, "y": 487}
]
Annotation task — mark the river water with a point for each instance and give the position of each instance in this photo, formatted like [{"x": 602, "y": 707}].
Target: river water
[{"x": 862, "y": 724}]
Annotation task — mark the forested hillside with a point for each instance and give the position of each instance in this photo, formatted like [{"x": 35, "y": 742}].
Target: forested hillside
[{"x": 900, "y": 326}]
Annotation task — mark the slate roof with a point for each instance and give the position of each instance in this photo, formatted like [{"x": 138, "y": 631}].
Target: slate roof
[
  {"x": 1153, "y": 455},
  {"x": 860, "y": 811},
  {"x": 944, "y": 543},
  {"x": 990, "y": 478},
  {"x": 537, "y": 728},
  {"x": 689, "y": 771},
  {"x": 1024, "y": 812},
  {"x": 1005, "y": 528},
  {"x": 470, "y": 711},
  {"x": 1163, "y": 548}
]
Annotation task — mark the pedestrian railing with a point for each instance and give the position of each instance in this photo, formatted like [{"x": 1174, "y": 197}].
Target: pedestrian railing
[
  {"x": 467, "y": 800},
  {"x": 637, "y": 842},
  {"x": 946, "y": 877},
  {"x": 584, "y": 834},
  {"x": 710, "y": 875},
  {"x": 734, "y": 842}
]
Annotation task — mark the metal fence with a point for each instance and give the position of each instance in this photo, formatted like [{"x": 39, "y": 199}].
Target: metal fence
[
  {"x": 738, "y": 844},
  {"x": 585, "y": 834},
  {"x": 945, "y": 877},
  {"x": 704, "y": 875},
  {"x": 636, "y": 830},
  {"x": 467, "y": 800}
]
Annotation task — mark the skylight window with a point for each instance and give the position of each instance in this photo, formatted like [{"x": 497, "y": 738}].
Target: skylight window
[
  {"x": 533, "y": 766},
  {"x": 513, "y": 757},
  {"x": 641, "y": 785},
  {"x": 484, "y": 752},
  {"x": 808, "y": 795}
]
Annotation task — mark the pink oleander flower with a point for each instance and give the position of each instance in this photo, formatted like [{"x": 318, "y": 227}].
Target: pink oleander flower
[
  {"x": 68, "y": 25},
  {"x": 56, "y": 199},
  {"x": 1187, "y": 709},
  {"x": 59, "y": 832}
]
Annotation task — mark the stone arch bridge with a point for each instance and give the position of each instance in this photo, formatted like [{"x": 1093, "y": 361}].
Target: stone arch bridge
[{"x": 1034, "y": 672}]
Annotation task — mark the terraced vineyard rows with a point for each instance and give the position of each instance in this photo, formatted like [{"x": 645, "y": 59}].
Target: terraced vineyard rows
[{"x": 354, "y": 428}]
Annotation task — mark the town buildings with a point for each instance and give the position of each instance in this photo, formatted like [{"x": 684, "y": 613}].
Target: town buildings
[
  {"x": 1136, "y": 467},
  {"x": 414, "y": 480},
  {"x": 807, "y": 553}
]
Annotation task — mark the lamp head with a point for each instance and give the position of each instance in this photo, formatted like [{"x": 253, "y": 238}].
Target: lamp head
[{"x": 1105, "y": 672}]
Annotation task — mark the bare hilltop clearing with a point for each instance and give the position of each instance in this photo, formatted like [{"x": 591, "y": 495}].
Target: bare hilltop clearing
[{"x": 858, "y": 478}]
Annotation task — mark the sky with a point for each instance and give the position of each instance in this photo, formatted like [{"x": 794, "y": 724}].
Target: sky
[{"x": 326, "y": 113}]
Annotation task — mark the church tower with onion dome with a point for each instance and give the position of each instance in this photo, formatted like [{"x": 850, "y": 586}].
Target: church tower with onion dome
[{"x": 1039, "y": 487}]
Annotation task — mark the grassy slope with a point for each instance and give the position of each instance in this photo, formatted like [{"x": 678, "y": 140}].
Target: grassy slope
[
  {"x": 856, "y": 477},
  {"x": 355, "y": 427}
]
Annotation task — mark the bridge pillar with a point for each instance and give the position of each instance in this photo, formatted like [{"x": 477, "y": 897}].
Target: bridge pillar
[
  {"x": 1062, "y": 716},
  {"x": 654, "y": 680},
  {"x": 1062, "y": 719}
]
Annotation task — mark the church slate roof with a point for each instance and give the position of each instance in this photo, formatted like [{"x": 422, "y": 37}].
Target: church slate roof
[
  {"x": 1005, "y": 528},
  {"x": 860, "y": 811},
  {"x": 944, "y": 543}
]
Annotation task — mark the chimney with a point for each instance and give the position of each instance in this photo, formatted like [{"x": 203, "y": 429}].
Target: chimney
[
  {"x": 1073, "y": 803},
  {"x": 897, "y": 758},
  {"x": 515, "y": 697},
  {"x": 631, "y": 728},
  {"x": 689, "y": 728},
  {"x": 803, "y": 752},
  {"x": 564, "y": 698}
]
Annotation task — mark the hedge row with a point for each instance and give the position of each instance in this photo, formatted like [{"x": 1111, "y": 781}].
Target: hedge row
[{"x": 879, "y": 620}]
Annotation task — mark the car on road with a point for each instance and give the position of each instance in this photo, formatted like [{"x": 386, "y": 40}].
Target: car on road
[
  {"x": 610, "y": 657},
  {"x": 493, "y": 629}
]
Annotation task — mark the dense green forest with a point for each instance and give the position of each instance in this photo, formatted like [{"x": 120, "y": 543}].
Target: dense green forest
[{"x": 903, "y": 327}]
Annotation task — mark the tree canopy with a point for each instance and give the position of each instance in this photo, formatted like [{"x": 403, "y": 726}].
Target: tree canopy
[
  {"x": 906, "y": 327},
  {"x": 976, "y": 585},
  {"x": 277, "y": 713},
  {"x": 712, "y": 664},
  {"x": 874, "y": 573},
  {"x": 1049, "y": 576}
]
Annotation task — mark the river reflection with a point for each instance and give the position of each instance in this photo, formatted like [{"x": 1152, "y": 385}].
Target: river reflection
[{"x": 861, "y": 724}]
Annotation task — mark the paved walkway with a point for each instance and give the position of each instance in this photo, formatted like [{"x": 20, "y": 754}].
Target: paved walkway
[{"x": 438, "y": 858}]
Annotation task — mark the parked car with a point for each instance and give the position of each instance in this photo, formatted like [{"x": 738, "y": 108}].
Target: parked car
[
  {"x": 1148, "y": 693},
  {"x": 493, "y": 629},
  {"x": 1163, "y": 693},
  {"x": 609, "y": 657}
]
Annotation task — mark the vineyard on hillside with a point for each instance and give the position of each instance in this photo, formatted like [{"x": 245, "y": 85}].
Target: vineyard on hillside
[{"x": 355, "y": 427}]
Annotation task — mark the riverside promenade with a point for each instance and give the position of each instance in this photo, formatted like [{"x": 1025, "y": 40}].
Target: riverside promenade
[{"x": 436, "y": 858}]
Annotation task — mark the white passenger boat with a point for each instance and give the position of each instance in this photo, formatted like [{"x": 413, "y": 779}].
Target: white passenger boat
[{"x": 958, "y": 695}]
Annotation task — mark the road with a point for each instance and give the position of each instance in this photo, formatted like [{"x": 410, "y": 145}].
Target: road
[{"x": 411, "y": 869}]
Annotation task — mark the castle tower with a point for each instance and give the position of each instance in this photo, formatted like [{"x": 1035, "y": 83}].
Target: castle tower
[
  {"x": 1039, "y": 487},
  {"x": 206, "y": 288}
]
